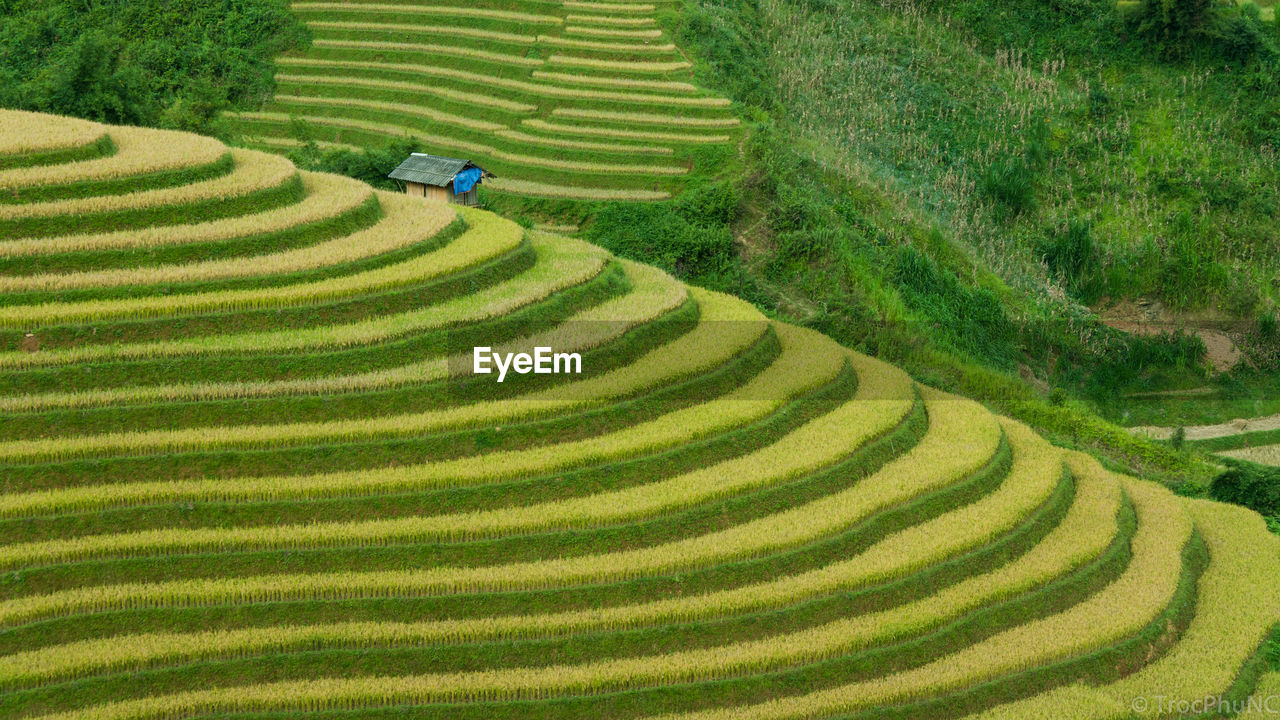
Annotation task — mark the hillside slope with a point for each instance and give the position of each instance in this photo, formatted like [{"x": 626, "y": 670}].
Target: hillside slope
[
  {"x": 581, "y": 100},
  {"x": 248, "y": 469}
]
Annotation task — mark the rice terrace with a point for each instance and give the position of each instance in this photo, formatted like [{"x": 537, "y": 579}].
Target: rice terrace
[{"x": 637, "y": 360}]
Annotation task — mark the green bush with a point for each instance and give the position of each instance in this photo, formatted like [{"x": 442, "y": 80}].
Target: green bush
[
  {"x": 1070, "y": 253},
  {"x": 665, "y": 235}
]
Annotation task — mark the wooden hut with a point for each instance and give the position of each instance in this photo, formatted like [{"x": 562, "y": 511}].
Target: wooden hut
[{"x": 441, "y": 178}]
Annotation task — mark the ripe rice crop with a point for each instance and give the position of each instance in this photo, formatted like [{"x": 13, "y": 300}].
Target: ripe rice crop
[
  {"x": 618, "y": 47},
  {"x": 1234, "y": 614},
  {"x": 1263, "y": 455},
  {"x": 582, "y": 144},
  {"x": 668, "y": 85},
  {"x": 326, "y": 196},
  {"x": 653, "y": 295},
  {"x": 636, "y": 66},
  {"x": 537, "y": 189},
  {"x": 138, "y": 151},
  {"x": 622, "y": 134},
  {"x": 403, "y": 108},
  {"x": 253, "y": 171},
  {"x": 1084, "y": 533},
  {"x": 565, "y": 267},
  {"x": 272, "y": 143},
  {"x": 727, "y": 327},
  {"x": 1121, "y": 609},
  {"x": 786, "y": 529},
  {"x": 679, "y": 428},
  {"x": 606, "y": 7},
  {"x": 487, "y": 237},
  {"x": 1264, "y": 704},
  {"x": 818, "y": 442},
  {"x": 455, "y": 50},
  {"x": 731, "y": 517},
  {"x": 362, "y": 244},
  {"x": 24, "y": 132},
  {"x": 547, "y": 277},
  {"x": 535, "y": 89},
  {"x": 612, "y": 32},
  {"x": 451, "y": 31},
  {"x": 611, "y": 20},
  {"x": 449, "y": 93},
  {"x": 648, "y": 118},
  {"x": 448, "y": 10}
]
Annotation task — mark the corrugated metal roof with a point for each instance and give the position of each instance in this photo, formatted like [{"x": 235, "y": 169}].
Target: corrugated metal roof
[{"x": 430, "y": 169}]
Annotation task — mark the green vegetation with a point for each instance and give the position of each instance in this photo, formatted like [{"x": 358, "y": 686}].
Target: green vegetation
[
  {"x": 248, "y": 469},
  {"x": 147, "y": 62},
  {"x": 270, "y": 483}
]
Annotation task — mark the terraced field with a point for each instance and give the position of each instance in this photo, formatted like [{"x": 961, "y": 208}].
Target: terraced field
[
  {"x": 248, "y": 472},
  {"x": 1254, "y": 439},
  {"x": 584, "y": 100}
]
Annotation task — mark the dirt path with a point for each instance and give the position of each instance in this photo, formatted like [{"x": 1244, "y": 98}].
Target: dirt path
[{"x": 1150, "y": 317}]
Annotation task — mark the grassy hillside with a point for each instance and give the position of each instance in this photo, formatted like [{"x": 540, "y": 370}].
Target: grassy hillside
[
  {"x": 248, "y": 471},
  {"x": 577, "y": 100},
  {"x": 1056, "y": 151}
]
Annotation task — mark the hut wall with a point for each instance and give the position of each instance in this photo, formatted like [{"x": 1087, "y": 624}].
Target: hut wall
[{"x": 470, "y": 197}]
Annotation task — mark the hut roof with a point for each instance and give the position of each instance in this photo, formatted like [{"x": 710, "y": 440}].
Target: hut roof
[{"x": 430, "y": 169}]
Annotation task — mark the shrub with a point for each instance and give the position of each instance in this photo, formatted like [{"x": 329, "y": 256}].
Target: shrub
[
  {"x": 1174, "y": 25},
  {"x": 1252, "y": 486},
  {"x": 676, "y": 237}
]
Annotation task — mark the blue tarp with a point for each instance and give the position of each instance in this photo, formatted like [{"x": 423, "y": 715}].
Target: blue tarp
[{"x": 466, "y": 180}]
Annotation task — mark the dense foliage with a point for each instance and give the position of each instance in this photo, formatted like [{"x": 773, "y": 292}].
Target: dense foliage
[
  {"x": 170, "y": 63},
  {"x": 1254, "y": 486}
]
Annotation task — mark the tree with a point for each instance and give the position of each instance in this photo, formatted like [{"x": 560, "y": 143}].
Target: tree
[{"x": 1175, "y": 25}]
